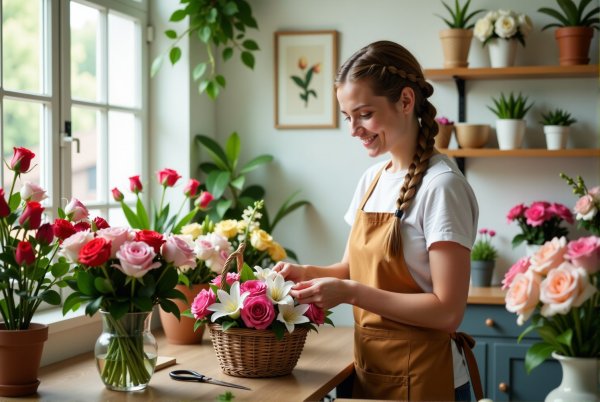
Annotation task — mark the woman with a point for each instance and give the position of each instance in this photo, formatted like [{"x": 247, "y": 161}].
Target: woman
[{"x": 414, "y": 219}]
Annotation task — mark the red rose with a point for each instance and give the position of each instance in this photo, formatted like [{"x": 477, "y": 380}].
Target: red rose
[
  {"x": 191, "y": 189},
  {"x": 167, "y": 177},
  {"x": 45, "y": 234},
  {"x": 151, "y": 238},
  {"x": 204, "y": 199},
  {"x": 117, "y": 195},
  {"x": 135, "y": 185},
  {"x": 100, "y": 223},
  {"x": 63, "y": 229},
  {"x": 21, "y": 159},
  {"x": 81, "y": 226},
  {"x": 32, "y": 215},
  {"x": 4, "y": 208},
  {"x": 95, "y": 252},
  {"x": 24, "y": 253}
]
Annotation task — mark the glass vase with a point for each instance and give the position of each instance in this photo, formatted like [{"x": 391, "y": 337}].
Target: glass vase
[{"x": 126, "y": 351}]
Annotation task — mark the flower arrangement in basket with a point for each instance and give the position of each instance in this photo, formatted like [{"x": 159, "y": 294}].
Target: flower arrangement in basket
[{"x": 539, "y": 222}]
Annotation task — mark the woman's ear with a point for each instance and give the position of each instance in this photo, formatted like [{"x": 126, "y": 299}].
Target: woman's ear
[{"x": 406, "y": 103}]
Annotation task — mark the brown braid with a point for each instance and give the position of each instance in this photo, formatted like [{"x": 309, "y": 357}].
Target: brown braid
[{"x": 389, "y": 68}]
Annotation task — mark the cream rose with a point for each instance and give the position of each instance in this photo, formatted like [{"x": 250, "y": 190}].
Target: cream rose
[
  {"x": 525, "y": 24},
  {"x": 505, "y": 26},
  {"x": 565, "y": 287},
  {"x": 523, "y": 295},
  {"x": 549, "y": 256},
  {"x": 483, "y": 29},
  {"x": 70, "y": 246},
  {"x": 193, "y": 229},
  {"x": 261, "y": 240},
  {"x": 227, "y": 228}
]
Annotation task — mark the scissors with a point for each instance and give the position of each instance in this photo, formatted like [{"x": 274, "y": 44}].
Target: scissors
[{"x": 191, "y": 375}]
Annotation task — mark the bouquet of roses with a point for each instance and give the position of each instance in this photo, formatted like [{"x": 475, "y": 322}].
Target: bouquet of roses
[
  {"x": 587, "y": 206},
  {"x": 539, "y": 222},
  {"x": 503, "y": 24}
]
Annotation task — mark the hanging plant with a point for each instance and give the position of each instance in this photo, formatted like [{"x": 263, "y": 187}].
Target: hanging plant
[{"x": 221, "y": 26}]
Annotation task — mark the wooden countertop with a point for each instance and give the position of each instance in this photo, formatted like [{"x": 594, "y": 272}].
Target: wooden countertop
[
  {"x": 489, "y": 295},
  {"x": 326, "y": 360}
]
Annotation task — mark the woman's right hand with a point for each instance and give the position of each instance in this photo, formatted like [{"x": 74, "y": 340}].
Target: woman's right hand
[{"x": 292, "y": 272}]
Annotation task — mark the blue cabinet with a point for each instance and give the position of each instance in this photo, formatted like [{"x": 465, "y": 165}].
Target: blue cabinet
[{"x": 501, "y": 359}]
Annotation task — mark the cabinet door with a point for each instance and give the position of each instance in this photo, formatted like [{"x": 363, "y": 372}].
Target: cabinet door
[
  {"x": 480, "y": 351},
  {"x": 511, "y": 381}
]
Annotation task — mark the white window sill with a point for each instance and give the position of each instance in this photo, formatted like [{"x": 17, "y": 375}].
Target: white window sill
[{"x": 57, "y": 322}]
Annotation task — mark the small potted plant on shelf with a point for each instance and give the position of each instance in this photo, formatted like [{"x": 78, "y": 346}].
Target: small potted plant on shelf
[
  {"x": 445, "y": 129},
  {"x": 574, "y": 29},
  {"x": 456, "y": 40},
  {"x": 556, "y": 128},
  {"x": 483, "y": 259},
  {"x": 510, "y": 126}
]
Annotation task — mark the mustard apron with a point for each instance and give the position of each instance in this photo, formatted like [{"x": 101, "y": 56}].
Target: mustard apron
[{"x": 393, "y": 360}]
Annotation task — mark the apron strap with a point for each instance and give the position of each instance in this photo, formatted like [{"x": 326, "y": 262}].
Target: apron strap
[{"x": 465, "y": 344}]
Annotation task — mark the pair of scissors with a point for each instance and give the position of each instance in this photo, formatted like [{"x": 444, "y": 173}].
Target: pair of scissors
[{"x": 190, "y": 375}]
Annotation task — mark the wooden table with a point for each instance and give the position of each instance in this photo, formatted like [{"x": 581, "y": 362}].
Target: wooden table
[{"x": 326, "y": 361}]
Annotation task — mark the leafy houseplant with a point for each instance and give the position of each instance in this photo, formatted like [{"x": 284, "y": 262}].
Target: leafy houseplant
[
  {"x": 539, "y": 222},
  {"x": 456, "y": 40},
  {"x": 556, "y": 128},
  {"x": 221, "y": 26},
  {"x": 459, "y": 16},
  {"x": 557, "y": 117},
  {"x": 510, "y": 126},
  {"x": 571, "y": 15},
  {"x": 587, "y": 207},
  {"x": 483, "y": 258}
]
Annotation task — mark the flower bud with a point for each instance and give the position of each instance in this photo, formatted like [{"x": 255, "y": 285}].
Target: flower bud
[
  {"x": 204, "y": 199},
  {"x": 191, "y": 188},
  {"x": 4, "y": 208},
  {"x": 167, "y": 177},
  {"x": 76, "y": 211},
  {"x": 117, "y": 195},
  {"x": 21, "y": 160},
  {"x": 24, "y": 254},
  {"x": 135, "y": 185},
  {"x": 31, "y": 218},
  {"x": 45, "y": 234}
]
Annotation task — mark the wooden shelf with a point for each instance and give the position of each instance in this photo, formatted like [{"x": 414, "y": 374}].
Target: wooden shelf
[
  {"x": 520, "y": 72},
  {"x": 521, "y": 153}
]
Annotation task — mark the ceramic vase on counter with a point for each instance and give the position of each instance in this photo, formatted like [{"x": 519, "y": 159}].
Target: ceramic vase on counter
[{"x": 579, "y": 380}]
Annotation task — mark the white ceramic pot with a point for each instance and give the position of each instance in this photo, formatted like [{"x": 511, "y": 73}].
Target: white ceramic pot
[
  {"x": 556, "y": 136},
  {"x": 579, "y": 380},
  {"x": 503, "y": 52},
  {"x": 510, "y": 133}
]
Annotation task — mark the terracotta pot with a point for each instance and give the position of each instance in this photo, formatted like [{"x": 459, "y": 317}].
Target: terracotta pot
[
  {"x": 455, "y": 45},
  {"x": 472, "y": 135},
  {"x": 20, "y": 357},
  {"x": 442, "y": 139},
  {"x": 182, "y": 332},
  {"x": 573, "y": 45}
]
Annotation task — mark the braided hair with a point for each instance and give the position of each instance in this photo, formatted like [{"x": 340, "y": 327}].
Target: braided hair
[{"x": 389, "y": 68}]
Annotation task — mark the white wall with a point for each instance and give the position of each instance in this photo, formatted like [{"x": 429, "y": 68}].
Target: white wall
[{"x": 326, "y": 163}]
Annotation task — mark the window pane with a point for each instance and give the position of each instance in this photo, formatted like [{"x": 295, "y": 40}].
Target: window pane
[
  {"x": 22, "y": 45},
  {"x": 116, "y": 217},
  {"x": 85, "y": 23},
  {"x": 123, "y": 151},
  {"x": 122, "y": 56},
  {"x": 84, "y": 165}
]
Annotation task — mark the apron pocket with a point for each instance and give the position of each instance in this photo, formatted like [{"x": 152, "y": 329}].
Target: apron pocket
[{"x": 380, "y": 386}]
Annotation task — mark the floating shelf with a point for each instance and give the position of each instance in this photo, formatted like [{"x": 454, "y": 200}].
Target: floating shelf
[
  {"x": 520, "y": 72},
  {"x": 521, "y": 153}
]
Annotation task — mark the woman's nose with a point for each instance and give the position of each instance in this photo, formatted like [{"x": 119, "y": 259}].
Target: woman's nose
[{"x": 355, "y": 128}]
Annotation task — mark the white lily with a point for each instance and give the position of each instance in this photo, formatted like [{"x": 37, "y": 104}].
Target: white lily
[
  {"x": 230, "y": 303},
  {"x": 263, "y": 273},
  {"x": 291, "y": 315},
  {"x": 278, "y": 289}
]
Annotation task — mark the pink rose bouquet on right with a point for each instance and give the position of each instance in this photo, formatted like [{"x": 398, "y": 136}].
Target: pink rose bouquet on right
[{"x": 539, "y": 222}]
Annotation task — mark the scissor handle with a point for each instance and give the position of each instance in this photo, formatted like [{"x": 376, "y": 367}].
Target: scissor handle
[{"x": 187, "y": 375}]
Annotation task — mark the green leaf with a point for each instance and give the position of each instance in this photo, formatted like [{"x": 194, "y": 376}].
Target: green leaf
[
  {"x": 285, "y": 210},
  {"x": 175, "y": 54},
  {"x": 85, "y": 283},
  {"x": 51, "y": 297},
  {"x": 131, "y": 217},
  {"x": 232, "y": 150},
  {"x": 202, "y": 85},
  {"x": 103, "y": 285},
  {"x": 178, "y": 15},
  {"x": 215, "y": 151},
  {"x": 60, "y": 269},
  {"x": 219, "y": 79},
  {"x": 142, "y": 214},
  {"x": 230, "y": 8},
  {"x": 227, "y": 53},
  {"x": 94, "y": 306},
  {"x": 170, "y": 307},
  {"x": 238, "y": 182},
  {"x": 222, "y": 207},
  {"x": 217, "y": 182},
  {"x": 256, "y": 162},
  {"x": 250, "y": 44},
  {"x": 536, "y": 355},
  {"x": 228, "y": 324},
  {"x": 205, "y": 34},
  {"x": 248, "y": 59},
  {"x": 247, "y": 273},
  {"x": 171, "y": 34},
  {"x": 156, "y": 64},
  {"x": 72, "y": 302},
  {"x": 212, "y": 90},
  {"x": 254, "y": 192},
  {"x": 14, "y": 201},
  {"x": 199, "y": 71},
  {"x": 184, "y": 221},
  {"x": 299, "y": 81}
]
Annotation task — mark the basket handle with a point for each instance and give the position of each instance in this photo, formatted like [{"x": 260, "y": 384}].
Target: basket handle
[{"x": 238, "y": 255}]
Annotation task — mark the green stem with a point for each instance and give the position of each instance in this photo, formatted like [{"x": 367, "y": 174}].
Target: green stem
[{"x": 162, "y": 199}]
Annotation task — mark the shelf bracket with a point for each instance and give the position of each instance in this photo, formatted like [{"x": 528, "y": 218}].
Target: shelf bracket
[{"x": 462, "y": 113}]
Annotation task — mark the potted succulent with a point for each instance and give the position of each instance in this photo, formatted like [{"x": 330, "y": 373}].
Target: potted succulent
[
  {"x": 574, "y": 30},
  {"x": 556, "y": 128},
  {"x": 456, "y": 40},
  {"x": 510, "y": 126},
  {"x": 483, "y": 259}
]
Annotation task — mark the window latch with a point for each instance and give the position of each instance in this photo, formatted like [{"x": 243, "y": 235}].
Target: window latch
[{"x": 66, "y": 137}]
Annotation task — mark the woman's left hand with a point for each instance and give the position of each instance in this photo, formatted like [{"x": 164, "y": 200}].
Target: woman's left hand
[{"x": 323, "y": 292}]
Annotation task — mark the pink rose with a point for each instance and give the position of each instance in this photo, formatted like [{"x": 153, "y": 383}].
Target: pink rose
[
  {"x": 167, "y": 177},
  {"x": 204, "y": 199},
  {"x": 254, "y": 287},
  {"x": 75, "y": 210},
  {"x": 315, "y": 314},
  {"x": 191, "y": 188},
  {"x": 516, "y": 212},
  {"x": 32, "y": 192},
  {"x": 136, "y": 258},
  {"x": 117, "y": 236},
  {"x": 71, "y": 246},
  {"x": 565, "y": 287},
  {"x": 586, "y": 208},
  {"x": 518, "y": 267},
  {"x": 595, "y": 192},
  {"x": 562, "y": 212},
  {"x": 231, "y": 278},
  {"x": 549, "y": 256},
  {"x": 523, "y": 295},
  {"x": 179, "y": 250},
  {"x": 537, "y": 214},
  {"x": 201, "y": 302},
  {"x": 585, "y": 253},
  {"x": 258, "y": 312}
]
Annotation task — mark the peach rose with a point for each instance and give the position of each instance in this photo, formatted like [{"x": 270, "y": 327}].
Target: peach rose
[
  {"x": 586, "y": 208},
  {"x": 519, "y": 267},
  {"x": 585, "y": 253},
  {"x": 565, "y": 287},
  {"x": 549, "y": 256},
  {"x": 523, "y": 295}
]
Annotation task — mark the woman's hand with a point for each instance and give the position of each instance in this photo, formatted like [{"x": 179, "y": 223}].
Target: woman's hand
[
  {"x": 291, "y": 272},
  {"x": 323, "y": 292}
]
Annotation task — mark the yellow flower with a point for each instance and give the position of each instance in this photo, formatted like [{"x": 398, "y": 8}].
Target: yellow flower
[
  {"x": 193, "y": 229},
  {"x": 227, "y": 228},
  {"x": 261, "y": 240},
  {"x": 276, "y": 252}
]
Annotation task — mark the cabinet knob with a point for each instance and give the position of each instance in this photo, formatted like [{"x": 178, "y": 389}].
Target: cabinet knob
[
  {"x": 503, "y": 387},
  {"x": 489, "y": 322}
]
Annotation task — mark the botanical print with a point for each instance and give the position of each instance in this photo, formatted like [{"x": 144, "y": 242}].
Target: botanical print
[{"x": 304, "y": 83}]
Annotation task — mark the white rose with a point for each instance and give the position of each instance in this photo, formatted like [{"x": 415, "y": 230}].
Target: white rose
[
  {"x": 492, "y": 16},
  {"x": 505, "y": 27},
  {"x": 505, "y": 13},
  {"x": 71, "y": 245},
  {"x": 32, "y": 192},
  {"x": 483, "y": 29},
  {"x": 525, "y": 24}
]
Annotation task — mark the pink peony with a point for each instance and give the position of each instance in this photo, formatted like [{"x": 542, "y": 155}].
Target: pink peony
[
  {"x": 537, "y": 213},
  {"x": 549, "y": 256},
  {"x": 258, "y": 312},
  {"x": 523, "y": 295},
  {"x": 585, "y": 253},
  {"x": 254, "y": 287},
  {"x": 179, "y": 250},
  {"x": 201, "y": 302},
  {"x": 561, "y": 211},
  {"x": 516, "y": 212},
  {"x": 565, "y": 287},
  {"x": 518, "y": 267},
  {"x": 136, "y": 258},
  {"x": 315, "y": 314}
]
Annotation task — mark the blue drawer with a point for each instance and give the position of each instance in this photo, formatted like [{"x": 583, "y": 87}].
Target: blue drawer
[{"x": 491, "y": 320}]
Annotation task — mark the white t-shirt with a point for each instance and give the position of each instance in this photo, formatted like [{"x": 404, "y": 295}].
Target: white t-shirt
[{"x": 444, "y": 209}]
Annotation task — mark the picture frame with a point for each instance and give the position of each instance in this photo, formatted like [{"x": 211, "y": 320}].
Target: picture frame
[{"x": 306, "y": 63}]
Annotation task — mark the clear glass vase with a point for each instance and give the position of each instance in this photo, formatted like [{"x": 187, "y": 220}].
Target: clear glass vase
[{"x": 126, "y": 351}]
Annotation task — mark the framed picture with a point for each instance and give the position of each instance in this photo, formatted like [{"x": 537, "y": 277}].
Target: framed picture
[{"x": 305, "y": 68}]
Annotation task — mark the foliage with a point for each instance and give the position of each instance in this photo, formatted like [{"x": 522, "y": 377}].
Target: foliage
[
  {"x": 483, "y": 250},
  {"x": 503, "y": 24},
  {"x": 304, "y": 83},
  {"x": 588, "y": 205},
  {"x": 459, "y": 17},
  {"x": 513, "y": 107},
  {"x": 557, "y": 117},
  {"x": 217, "y": 23},
  {"x": 539, "y": 222},
  {"x": 572, "y": 15}
]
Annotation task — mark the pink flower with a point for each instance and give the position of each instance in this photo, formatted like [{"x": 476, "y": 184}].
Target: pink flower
[
  {"x": 204, "y": 199},
  {"x": 117, "y": 236},
  {"x": 258, "y": 312},
  {"x": 516, "y": 212},
  {"x": 565, "y": 287},
  {"x": 549, "y": 256},
  {"x": 595, "y": 192},
  {"x": 561, "y": 211},
  {"x": 136, "y": 258},
  {"x": 117, "y": 195},
  {"x": 167, "y": 177},
  {"x": 523, "y": 295},
  {"x": 518, "y": 267},
  {"x": 71, "y": 246},
  {"x": 444, "y": 121},
  {"x": 585, "y": 253},
  {"x": 76, "y": 211},
  {"x": 537, "y": 213},
  {"x": 492, "y": 233},
  {"x": 201, "y": 302},
  {"x": 135, "y": 185},
  {"x": 231, "y": 278},
  {"x": 315, "y": 314},
  {"x": 585, "y": 208},
  {"x": 191, "y": 188},
  {"x": 32, "y": 192},
  {"x": 254, "y": 287},
  {"x": 179, "y": 250},
  {"x": 483, "y": 231}
]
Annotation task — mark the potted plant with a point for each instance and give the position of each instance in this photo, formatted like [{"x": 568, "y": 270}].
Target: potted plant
[
  {"x": 500, "y": 30},
  {"x": 556, "y": 128},
  {"x": 510, "y": 126},
  {"x": 483, "y": 259},
  {"x": 574, "y": 29},
  {"x": 456, "y": 40},
  {"x": 445, "y": 129},
  {"x": 30, "y": 272}
]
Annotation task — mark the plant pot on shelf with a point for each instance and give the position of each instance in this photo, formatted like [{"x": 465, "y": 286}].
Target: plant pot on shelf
[
  {"x": 510, "y": 133},
  {"x": 472, "y": 135},
  {"x": 503, "y": 52},
  {"x": 181, "y": 332},
  {"x": 456, "y": 44},
  {"x": 573, "y": 45},
  {"x": 481, "y": 273},
  {"x": 20, "y": 357},
  {"x": 442, "y": 139},
  {"x": 556, "y": 136}
]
